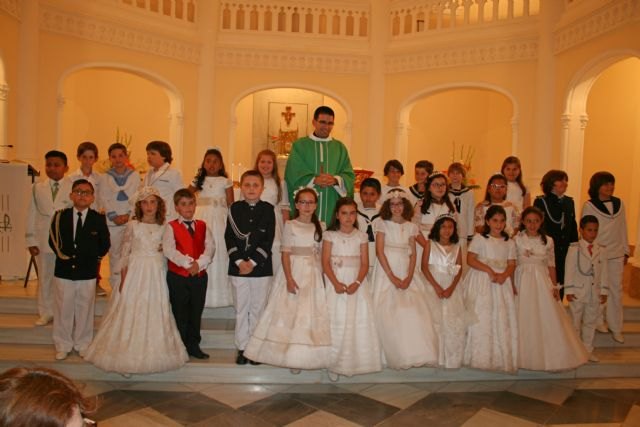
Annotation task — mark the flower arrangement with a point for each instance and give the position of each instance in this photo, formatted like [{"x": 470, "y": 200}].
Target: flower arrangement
[{"x": 125, "y": 139}]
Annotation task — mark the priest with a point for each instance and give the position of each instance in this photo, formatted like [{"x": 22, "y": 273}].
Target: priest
[{"x": 320, "y": 162}]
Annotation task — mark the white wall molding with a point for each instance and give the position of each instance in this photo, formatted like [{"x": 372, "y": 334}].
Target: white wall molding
[
  {"x": 12, "y": 7},
  {"x": 279, "y": 60},
  {"x": 102, "y": 31},
  {"x": 607, "y": 18},
  {"x": 505, "y": 51}
]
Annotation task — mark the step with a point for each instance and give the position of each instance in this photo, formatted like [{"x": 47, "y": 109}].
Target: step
[
  {"x": 20, "y": 329},
  {"x": 220, "y": 368},
  {"x": 219, "y": 333},
  {"x": 29, "y": 305}
]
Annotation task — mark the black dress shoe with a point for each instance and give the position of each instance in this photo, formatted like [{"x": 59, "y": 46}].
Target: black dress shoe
[
  {"x": 241, "y": 360},
  {"x": 254, "y": 363},
  {"x": 199, "y": 354}
]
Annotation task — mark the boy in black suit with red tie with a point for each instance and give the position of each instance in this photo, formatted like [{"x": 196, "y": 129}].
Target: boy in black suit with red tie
[
  {"x": 188, "y": 245},
  {"x": 79, "y": 238}
]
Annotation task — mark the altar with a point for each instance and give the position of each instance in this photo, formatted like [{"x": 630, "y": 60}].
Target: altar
[{"x": 14, "y": 201}]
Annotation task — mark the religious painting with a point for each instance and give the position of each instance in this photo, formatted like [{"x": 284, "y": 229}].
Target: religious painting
[{"x": 287, "y": 122}]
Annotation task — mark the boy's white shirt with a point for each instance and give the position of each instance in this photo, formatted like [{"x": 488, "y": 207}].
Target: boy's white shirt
[
  {"x": 96, "y": 180},
  {"x": 41, "y": 210},
  {"x": 575, "y": 282}
]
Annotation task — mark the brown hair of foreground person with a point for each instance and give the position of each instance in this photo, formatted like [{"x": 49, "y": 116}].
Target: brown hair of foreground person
[{"x": 40, "y": 397}]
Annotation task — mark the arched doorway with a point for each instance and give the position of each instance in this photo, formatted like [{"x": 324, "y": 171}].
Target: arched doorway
[
  {"x": 97, "y": 100},
  {"x": 272, "y": 116},
  {"x": 430, "y": 126},
  {"x": 600, "y": 129}
]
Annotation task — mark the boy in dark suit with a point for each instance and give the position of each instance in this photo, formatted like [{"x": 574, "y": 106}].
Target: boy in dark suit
[
  {"x": 249, "y": 236},
  {"x": 79, "y": 238},
  {"x": 188, "y": 245}
]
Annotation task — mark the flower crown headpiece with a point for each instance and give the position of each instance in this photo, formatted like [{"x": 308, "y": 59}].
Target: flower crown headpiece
[
  {"x": 145, "y": 192},
  {"x": 295, "y": 192},
  {"x": 437, "y": 174},
  {"x": 397, "y": 194},
  {"x": 446, "y": 215}
]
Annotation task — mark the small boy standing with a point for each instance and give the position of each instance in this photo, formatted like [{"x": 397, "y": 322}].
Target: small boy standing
[
  {"x": 586, "y": 281},
  {"x": 79, "y": 236},
  {"x": 422, "y": 170},
  {"x": 166, "y": 180},
  {"x": 368, "y": 211},
  {"x": 119, "y": 185},
  {"x": 393, "y": 170},
  {"x": 189, "y": 247},
  {"x": 87, "y": 155},
  {"x": 251, "y": 226},
  {"x": 47, "y": 197}
]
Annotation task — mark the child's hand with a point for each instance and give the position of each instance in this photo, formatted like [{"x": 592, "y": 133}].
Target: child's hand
[
  {"x": 556, "y": 294},
  {"x": 292, "y": 286},
  {"x": 500, "y": 278},
  {"x": 245, "y": 267},
  {"x": 493, "y": 275},
  {"x": 33, "y": 250},
  {"x": 603, "y": 299},
  {"x": 439, "y": 291},
  {"x": 352, "y": 288},
  {"x": 514, "y": 290},
  {"x": 340, "y": 288},
  {"x": 404, "y": 284},
  {"x": 396, "y": 281},
  {"x": 194, "y": 269},
  {"x": 446, "y": 293},
  {"x": 571, "y": 297}
]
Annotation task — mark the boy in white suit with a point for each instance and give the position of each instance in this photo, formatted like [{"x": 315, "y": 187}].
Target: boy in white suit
[
  {"x": 47, "y": 197},
  {"x": 586, "y": 281}
]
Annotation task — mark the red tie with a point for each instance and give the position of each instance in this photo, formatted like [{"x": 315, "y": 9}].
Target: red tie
[{"x": 590, "y": 247}]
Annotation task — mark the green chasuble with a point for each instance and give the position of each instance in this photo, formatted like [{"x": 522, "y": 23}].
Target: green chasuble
[{"x": 311, "y": 156}]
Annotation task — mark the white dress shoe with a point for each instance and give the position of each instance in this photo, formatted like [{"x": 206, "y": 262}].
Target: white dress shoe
[
  {"x": 82, "y": 352},
  {"x": 294, "y": 371},
  {"x": 333, "y": 377},
  {"x": 61, "y": 355},
  {"x": 617, "y": 337},
  {"x": 603, "y": 328},
  {"x": 43, "y": 320},
  {"x": 593, "y": 358}
]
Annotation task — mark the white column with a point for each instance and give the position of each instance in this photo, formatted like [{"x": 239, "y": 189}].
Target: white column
[
  {"x": 27, "y": 87},
  {"x": 61, "y": 102},
  {"x": 378, "y": 35},
  {"x": 545, "y": 90},
  {"x": 207, "y": 17},
  {"x": 176, "y": 136},
  {"x": 402, "y": 142}
]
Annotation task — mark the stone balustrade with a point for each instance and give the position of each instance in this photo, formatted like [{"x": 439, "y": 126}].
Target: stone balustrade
[
  {"x": 413, "y": 17},
  {"x": 329, "y": 19},
  {"x": 182, "y": 10}
]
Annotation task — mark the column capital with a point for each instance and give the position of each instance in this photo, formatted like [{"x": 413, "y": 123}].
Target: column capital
[
  {"x": 4, "y": 92},
  {"x": 584, "y": 120},
  {"x": 61, "y": 101}
]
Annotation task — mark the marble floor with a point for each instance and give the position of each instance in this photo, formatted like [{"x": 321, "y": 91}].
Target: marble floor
[{"x": 600, "y": 402}]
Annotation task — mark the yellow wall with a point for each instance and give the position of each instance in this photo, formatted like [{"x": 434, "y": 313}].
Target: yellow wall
[
  {"x": 612, "y": 137},
  {"x": 59, "y": 54},
  {"x": 436, "y": 126},
  {"x": 516, "y": 79},
  {"x": 99, "y": 101},
  {"x": 9, "y": 59}
]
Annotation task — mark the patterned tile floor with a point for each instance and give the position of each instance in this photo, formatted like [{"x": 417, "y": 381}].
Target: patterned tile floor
[{"x": 606, "y": 402}]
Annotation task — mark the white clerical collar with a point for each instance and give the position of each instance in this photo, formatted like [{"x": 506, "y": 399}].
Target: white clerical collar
[{"x": 317, "y": 138}]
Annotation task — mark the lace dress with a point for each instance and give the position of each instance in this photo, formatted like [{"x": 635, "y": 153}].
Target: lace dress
[
  {"x": 492, "y": 341},
  {"x": 448, "y": 313},
  {"x": 355, "y": 346},
  {"x": 294, "y": 330},
  {"x": 403, "y": 316},
  {"x": 212, "y": 209},
  {"x": 138, "y": 335},
  {"x": 551, "y": 343}
]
